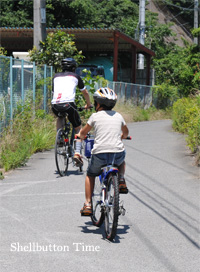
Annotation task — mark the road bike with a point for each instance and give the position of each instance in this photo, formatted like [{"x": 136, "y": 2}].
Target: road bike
[
  {"x": 65, "y": 146},
  {"x": 106, "y": 203}
]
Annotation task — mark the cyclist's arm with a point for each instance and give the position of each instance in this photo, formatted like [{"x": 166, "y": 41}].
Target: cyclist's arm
[
  {"x": 84, "y": 131},
  {"x": 125, "y": 132},
  {"x": 87, "y": 98}
]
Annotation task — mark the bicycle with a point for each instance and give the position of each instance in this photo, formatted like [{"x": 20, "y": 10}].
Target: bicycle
[
  {"x": 65, "y": 146},
  {"x": 105, "y": 201}
]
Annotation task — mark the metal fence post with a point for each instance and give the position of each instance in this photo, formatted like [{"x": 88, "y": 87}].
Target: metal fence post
[
  {"x": 11, "y": 90},
  {"x": 45, "y": 88},
  {"x": 51, "y": 78},
  {"x": 22, "y": 81},
  {"x": 34, "y": 72}
]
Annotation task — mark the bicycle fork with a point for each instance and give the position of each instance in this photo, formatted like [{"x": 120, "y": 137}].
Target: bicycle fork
[{"x": 105, "y": 202}]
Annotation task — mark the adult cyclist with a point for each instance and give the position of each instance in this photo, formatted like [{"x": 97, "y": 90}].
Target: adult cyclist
[{"x": 64, "y": 91}]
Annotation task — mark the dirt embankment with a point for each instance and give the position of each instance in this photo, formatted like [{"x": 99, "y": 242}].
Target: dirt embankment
[{"x": 165, "y": 16}]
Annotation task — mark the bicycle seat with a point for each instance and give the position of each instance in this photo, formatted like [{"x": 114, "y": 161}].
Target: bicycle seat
[{"x": 62, "y": 114}]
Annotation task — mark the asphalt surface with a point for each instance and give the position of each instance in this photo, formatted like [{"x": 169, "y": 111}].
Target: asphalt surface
[{"x": 42, "y": 230}]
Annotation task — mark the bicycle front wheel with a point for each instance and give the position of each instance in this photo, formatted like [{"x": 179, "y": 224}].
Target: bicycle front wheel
[
  {"x": 61, "y": 153},
  {"x": 98, "y": 215},
  {"x": 112, "y": 206}
]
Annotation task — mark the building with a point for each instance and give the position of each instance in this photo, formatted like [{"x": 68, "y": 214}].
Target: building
[{"x": 112, "y": 44}]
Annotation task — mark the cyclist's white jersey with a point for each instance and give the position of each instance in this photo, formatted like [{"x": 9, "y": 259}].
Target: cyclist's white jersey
[{"x": 64, "y": 87}]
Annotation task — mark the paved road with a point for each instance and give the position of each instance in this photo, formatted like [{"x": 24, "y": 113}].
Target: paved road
[{"x": 42, "y": 230}]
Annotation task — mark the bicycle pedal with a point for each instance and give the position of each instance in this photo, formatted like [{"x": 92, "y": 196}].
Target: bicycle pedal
[
  {"x": 123, "y": 191},
  {"x": 122, "y": 211}
]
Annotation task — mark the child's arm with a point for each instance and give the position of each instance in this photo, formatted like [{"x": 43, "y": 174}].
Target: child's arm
[
  {"x": 125, "y": 132},
  {"x": 84, "y": 131}
]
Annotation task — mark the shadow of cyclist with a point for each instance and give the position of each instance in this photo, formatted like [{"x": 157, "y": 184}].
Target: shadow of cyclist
[{"x": 121, "y": 230}]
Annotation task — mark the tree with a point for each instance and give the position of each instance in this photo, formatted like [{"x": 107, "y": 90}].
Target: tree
[
  {"x": 16, "y": 13},
  {"x": 57, "y": 46},
  {"x": 181, "y": 68}
]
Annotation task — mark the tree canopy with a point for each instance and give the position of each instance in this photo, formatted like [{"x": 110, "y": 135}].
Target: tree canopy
[{"x": 174, "y": 65}]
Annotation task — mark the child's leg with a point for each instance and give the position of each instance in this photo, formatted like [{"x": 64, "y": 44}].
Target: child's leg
[
  {"x": 122, "y": 184},
  {"x": 89, "y": 187},
  {"x": 122, "y": 168}
]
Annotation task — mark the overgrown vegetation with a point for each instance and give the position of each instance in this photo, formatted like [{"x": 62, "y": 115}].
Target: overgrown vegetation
[
  {"x": 186, "y": 119},
  {"x": 133, "y": 113},
  {"x": 177, "y": 69},
  {"x": 26, "y": 135},
  {"x": 57, "y": 46}
]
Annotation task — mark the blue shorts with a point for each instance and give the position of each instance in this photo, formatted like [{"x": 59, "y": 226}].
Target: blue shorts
[{"x": 99, "y": 160}]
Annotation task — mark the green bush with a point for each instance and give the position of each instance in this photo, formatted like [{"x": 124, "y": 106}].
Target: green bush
[
  {"x": 164, "y": 95},
  {"x": 186, "y": 119}
]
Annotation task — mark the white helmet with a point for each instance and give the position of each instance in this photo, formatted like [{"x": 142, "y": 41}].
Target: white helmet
[{"x": 105, "y": 96}]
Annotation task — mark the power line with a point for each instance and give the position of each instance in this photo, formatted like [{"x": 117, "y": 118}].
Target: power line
[{"x": 189, "y": 9}]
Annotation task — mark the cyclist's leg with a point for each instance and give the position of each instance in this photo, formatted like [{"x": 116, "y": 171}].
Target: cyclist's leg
[
  {"x": 60, "y": 122},
  {"x": 77, "y": 154},
  {"x": 93, "y": 170},
  {"x": 121, "y": 167},
  {"x": 78, "y": 141},
  {"x": 58, "y": 108},
  {"x": 75, "y": 120},
  {"x": 89, "y": 187}
]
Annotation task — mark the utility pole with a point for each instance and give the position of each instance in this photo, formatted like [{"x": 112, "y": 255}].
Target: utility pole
[
  {"x": 39, "y": 18},
  {"x": 141, "y": 31},
  {"x": 196, "y": 11}
]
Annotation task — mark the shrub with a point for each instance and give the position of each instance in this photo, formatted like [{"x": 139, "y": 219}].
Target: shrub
[
  {"x": 164, "y": 95},
  {"x": 186, "y": 119}
]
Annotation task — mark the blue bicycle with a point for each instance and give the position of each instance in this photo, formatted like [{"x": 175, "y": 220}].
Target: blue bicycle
[{"x": 106, "y": 202}]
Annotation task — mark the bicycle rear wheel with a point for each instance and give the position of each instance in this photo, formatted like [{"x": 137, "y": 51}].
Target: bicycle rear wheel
[
  {"x": 61, "y": 153},
  {"x": 112, "y": 206},
  {"x": 98, "y": 215}
]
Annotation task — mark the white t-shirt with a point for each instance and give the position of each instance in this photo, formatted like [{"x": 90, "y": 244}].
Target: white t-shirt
[
  {"x": 107, "y": 131},
  {"x": 64, "y": 87}
]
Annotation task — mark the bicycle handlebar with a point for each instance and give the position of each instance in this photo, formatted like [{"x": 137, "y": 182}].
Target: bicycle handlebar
[
  {"x": 88, "y": 136},
  {"x": 83, "y": 108}
]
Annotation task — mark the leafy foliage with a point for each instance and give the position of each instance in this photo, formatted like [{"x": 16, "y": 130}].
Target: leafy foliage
[
  {"x": 164, "y": 95},
  {"x": 180, "y": 68},
  {"x": 57, "y": 46},
  {"x": 16, "y": 13},
  {"x": 186, "y": 119},
  {"x": 3, "y": 52}
]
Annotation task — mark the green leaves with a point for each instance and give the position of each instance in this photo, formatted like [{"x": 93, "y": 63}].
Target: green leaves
[
  {"x": 186, "y": 119},
  {"x": 57, "y": 46}
]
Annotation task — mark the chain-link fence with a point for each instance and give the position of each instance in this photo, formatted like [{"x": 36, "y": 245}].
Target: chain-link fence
[
  {"x": 138, "y": 95},
  {"x": 21, "y": 80}
]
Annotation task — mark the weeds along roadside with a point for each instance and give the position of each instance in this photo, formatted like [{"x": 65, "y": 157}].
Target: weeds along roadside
[
  {"x": 186, "y": 119},
  {"x": 26, "y": 135},
  {"x": 30, "y": 134}
]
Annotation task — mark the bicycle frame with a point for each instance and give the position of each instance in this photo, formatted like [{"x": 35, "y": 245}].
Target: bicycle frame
[{"x": 103, "y": 180}]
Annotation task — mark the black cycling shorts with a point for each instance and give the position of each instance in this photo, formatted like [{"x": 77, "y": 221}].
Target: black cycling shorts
[{"x": 71, "y": 110}]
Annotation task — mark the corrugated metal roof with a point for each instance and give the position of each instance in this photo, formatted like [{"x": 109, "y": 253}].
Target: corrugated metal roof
[{"x": 89, "y": 39}]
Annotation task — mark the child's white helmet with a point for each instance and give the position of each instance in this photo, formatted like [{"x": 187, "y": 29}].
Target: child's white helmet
[{"x": 105, "y": 96}]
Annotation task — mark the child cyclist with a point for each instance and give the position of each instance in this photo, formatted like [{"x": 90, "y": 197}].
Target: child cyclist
[{"x": 109, "y": 130}]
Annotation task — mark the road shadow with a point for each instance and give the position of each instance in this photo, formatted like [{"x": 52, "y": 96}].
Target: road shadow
[
  {"x": 90, "y": 228},
  {"x": 69, "y": 173}
]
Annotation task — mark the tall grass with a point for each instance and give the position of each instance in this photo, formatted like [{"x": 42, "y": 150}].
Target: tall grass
[
  {"x": 29, "y": 134},
  {"x": 133, "y": 113},
  {"x": 25, "y": 136}
]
